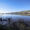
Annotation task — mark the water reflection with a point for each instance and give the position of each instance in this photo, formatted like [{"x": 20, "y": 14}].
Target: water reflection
[
  {"x": 14, "y": 17},
  {"x": 15, "y": 22}
]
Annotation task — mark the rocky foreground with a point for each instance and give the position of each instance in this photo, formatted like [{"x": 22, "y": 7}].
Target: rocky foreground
[{"x": 18, "y": 25}]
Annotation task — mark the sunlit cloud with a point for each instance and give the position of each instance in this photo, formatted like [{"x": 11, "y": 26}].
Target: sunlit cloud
[
  {"x": 2, "y": 10},
  {"x": 6, "y": 10}
]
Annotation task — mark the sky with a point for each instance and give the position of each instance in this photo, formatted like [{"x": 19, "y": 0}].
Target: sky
[{"x": 14, "y": 5}]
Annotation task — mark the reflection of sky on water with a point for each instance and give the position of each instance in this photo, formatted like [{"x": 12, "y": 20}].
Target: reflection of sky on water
[
  {"x": 15, "y": 17},
  {"x": 4, "y": 22}
]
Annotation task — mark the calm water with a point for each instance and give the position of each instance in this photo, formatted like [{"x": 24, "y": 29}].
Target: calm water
[
  {"x": 15, "y": 17},
  {"x": 26, "y": 18}
]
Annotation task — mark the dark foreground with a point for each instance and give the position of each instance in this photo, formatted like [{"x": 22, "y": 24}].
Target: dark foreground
[{"x": 18, "y": 25}]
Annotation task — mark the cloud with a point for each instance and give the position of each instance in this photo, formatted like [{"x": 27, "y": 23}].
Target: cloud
[
  {"x": 7, "y": 10},
  {"x": 2, "y": 10}
]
